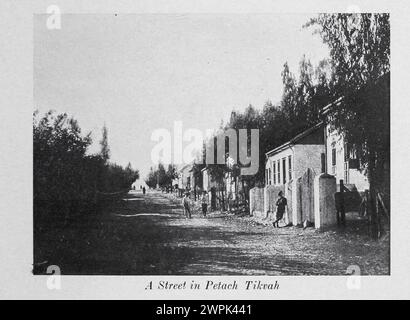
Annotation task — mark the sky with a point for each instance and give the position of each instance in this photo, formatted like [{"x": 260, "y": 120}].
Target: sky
[{"x": 139, "y": 73}]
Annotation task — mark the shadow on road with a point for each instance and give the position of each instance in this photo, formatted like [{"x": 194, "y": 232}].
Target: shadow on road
[{"x": 147, "y": 234}]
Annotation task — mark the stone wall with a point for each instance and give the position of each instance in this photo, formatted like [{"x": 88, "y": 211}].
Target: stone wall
[
  {"x": 308, "y": 156},
  {"x": 310, "y": 198},
  {"x": 256, "y": 202},
  {"x": 289, "y": 196},
  {"x": 271, "y": 195},
  {"x": 325, "y": 210},
  {"x": 305, "y": 194}
]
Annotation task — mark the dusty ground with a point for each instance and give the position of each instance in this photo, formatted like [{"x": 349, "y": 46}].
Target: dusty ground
[{"x": 149, "y": 235}]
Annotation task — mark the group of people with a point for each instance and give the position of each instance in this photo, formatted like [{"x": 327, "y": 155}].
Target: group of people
[
  {"x": 187, "y": 207},
  {"x": 281, "y": 205},
  {"x": 141, "y": 188}
]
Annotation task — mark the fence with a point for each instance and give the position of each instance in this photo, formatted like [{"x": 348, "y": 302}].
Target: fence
[
  {"x": 270, "y": 196},
  {"x": 304, "y": 195},
  {"x": 256, "y": 202}
]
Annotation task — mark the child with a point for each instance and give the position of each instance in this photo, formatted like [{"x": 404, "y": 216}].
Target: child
[
  {"x": 204, "y": 202},
  {"x": 281, "y": 204},
  {"x": 185, "y": 202}
]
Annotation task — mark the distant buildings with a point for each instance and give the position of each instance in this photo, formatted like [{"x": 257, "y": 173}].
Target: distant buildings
[{"x": 185, "y": 177}]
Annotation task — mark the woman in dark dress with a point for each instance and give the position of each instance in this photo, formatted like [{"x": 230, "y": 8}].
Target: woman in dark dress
[{"x": 281, "y": 204}]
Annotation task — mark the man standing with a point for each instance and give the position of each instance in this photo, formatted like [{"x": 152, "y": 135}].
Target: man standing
[
  {"x": 204, "y": 202},
  {"x": 281, "y": 204},
  {"x": 185, "y": 203}
]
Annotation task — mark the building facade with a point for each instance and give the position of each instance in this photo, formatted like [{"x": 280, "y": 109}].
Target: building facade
[
  {"x": 292, "y": 159},
  {"x": 286, "y": 165},
  {"x": 342, "y": 160},
  {"x": 184, "y": 177}
]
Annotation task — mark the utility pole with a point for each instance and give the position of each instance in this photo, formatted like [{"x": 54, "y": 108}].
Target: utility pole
[{"x": 342, "y": 205}]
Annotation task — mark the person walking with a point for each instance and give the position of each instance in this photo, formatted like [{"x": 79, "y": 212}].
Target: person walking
[
  {"x": 185, "y": 203},
  {"x": 204, "y": 202},
  {"x": 281, "y": 205}
]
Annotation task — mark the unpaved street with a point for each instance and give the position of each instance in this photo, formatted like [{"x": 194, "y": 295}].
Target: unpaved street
[{"x": 147, "y": 234}]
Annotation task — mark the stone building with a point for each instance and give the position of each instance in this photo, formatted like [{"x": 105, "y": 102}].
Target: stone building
[
  {"x": 293, "y": 158},
  {"x": 291, "y": 168},
  {"x": 342, "y": 158}
]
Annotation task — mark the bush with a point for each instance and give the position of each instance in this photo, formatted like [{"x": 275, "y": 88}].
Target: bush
[{"x": 66, "y": 179}]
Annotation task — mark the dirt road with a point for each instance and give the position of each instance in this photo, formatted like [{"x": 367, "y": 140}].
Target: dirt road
[{"x": 147, "y": 234}]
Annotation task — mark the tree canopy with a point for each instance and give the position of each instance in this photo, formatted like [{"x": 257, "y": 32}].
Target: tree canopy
[
  {"x": 66, "y": 177},
  {"x": 360, "y": 59}
]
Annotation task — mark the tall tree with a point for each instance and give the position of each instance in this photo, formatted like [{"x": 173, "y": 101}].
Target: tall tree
[
  {"x": 105, "y": 149},
  {"x": 161, "y": 176},
  {"x": 151, "y": 179},
  {"x": 360, "y": 54}
]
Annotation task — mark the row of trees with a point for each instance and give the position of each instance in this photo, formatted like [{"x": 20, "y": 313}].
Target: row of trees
[
  {"x": 161, "y": 177},
  {"x": 67, "y": 179}
]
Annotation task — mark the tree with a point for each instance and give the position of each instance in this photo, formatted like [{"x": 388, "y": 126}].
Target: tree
[
  {"x": 304, "y": 96},
  {"x": 171, "y": 173},
  {"x": 105, "y": 149},
  {"x": 163, "y": 180},
  {"x": 151, "y": 179},
  {"x": 360, "y": 56},
  {"x": 66, "y": 178},
  {"x": 161, "y": 176},
  {"x": 59, "y": 151}
]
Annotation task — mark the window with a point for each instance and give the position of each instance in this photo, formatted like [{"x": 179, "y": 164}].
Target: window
[
  {"x": 278, "y": 166},
  {"x": 348, "y": 150},
  {"x": 334, "y": 161},
  {"x": 266, "y": 176},
  {"x": 274, "y": 172},
  {"x": 323, "y": 162},
  {"x": 290, "y": 167},
  {"x": 284, "y": 170},
  {"x": 270, "y": 176},
  {"x": 346, "y": 172},
  {"x": 352, "y": 156}
]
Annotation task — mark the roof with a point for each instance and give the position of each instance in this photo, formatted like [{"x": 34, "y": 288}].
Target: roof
[
  {"x": 294, "y": 140},
  {"x": 326, "y": 109},
  {"x": 184, "y": 167}
]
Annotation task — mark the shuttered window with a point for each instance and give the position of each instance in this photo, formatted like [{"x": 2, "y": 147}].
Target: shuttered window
[
  {"x": 290, "y": 167},
  {"x": 274, "y": 172}
]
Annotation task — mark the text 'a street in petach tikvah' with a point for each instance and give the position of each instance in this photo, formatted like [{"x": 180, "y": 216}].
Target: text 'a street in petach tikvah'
[{"x": 215, "y": 285}]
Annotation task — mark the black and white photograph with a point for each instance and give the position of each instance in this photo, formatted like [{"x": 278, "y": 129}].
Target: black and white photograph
[
  {"x": 212, "y": 144},
  {"x": 205, "y": 151}
]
